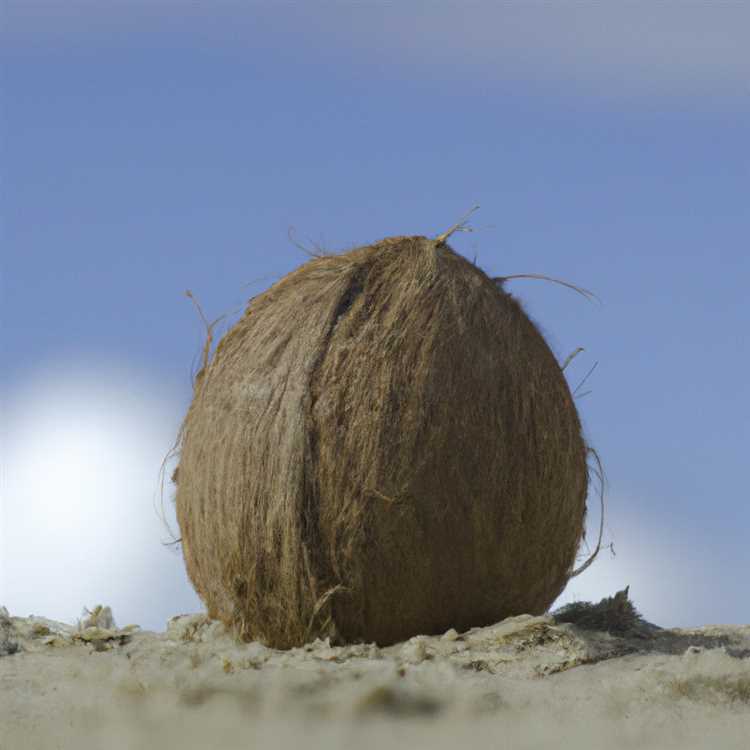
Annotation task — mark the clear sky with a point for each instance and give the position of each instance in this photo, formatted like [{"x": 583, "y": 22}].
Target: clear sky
[{"x": 154, "y": 146}]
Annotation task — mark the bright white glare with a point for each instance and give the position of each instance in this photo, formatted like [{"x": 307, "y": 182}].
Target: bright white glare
[
  {"x": 668, "y": 587},
  {"x": 79, "y": 521}
]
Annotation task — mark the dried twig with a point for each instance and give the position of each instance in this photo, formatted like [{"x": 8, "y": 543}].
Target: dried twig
[
  {"x": 209, "y": 329},
  {"x": 598, "y": 472},
  {"x": 460, "y": 226},
  {"x": 583, "y": 292},
  {"x": 571, "y": 357},
  {"x": 585, "y": 378},
  {"x": 322, "y": 601},
  {"x": 258, "y": 281},
  {"x": 381, "y": 496},
  {"x": 319, "y": 251},
  {"x": 174, "y": 450}
]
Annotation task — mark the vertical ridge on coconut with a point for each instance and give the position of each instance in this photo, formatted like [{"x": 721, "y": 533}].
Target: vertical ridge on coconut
[{"x": 384, "y": 445}]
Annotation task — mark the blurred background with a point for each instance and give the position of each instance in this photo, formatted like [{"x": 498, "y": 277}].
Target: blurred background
[{"x": 155, "y": 146}]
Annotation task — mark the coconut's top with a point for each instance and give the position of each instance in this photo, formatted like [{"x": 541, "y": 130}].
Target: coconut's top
[{"x": 383, "y": 446}]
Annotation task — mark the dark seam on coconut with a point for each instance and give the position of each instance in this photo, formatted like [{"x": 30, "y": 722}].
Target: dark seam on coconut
[
  {"x": 355, "y": 288},
  {"x": 318, "y": 566}
]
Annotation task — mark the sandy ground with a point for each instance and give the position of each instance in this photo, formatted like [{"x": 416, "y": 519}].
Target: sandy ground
[{"x": 523, "y": 683}]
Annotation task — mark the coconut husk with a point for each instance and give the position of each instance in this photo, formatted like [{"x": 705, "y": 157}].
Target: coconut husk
[{"x": 382, "y": 446}]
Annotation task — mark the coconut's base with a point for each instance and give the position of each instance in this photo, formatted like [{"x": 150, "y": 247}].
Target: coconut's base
[{"x": 523, "y": 683}]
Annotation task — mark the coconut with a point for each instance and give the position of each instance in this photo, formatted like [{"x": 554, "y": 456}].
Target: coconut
[{"x": 382, "y": 446}]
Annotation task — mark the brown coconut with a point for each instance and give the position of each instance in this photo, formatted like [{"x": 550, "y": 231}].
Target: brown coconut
[{"x": 383, "y": 446}]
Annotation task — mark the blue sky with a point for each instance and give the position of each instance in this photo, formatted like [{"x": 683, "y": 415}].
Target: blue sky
[{"x": 154, "y": 147}]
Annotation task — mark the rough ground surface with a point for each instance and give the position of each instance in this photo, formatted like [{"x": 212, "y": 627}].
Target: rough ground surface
[{"x": 523, "y": 683}]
